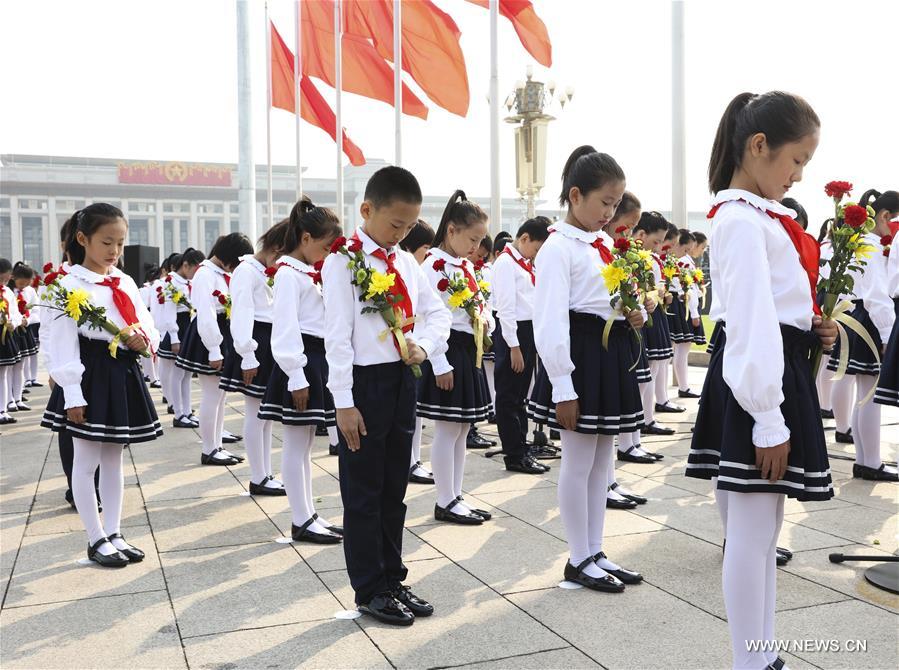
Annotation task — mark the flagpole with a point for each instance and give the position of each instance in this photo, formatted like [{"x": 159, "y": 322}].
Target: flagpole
[
  {"x": 268, "y": 114},
  {"x": 246, "y": 167},
  {"x": 338, "y": 84},
  {"x": 398, "y": 79},
  {"x": 678, "y": 118},
  {"x": 496, "y": 215},
  {"x": 297, "y": 76}
]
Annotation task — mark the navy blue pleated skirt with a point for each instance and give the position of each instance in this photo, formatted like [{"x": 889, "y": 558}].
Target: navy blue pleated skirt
[
  {"x": 9, "y": 348},
  {"x": 608, "y": 395},
  {"x": 277, "y": 404},
  {"x": 713, "y": 340},
  {"x": 722, "y": 438},
  {"x": 657, "y": 337},
  {"x": 644, "y": 376},
  {"x": 119, "y": 406},
  {"x": 232, "y": 374},
  {"x": 25, "y": 342},
  {"x": 681, "y": 332},
  {"x": 887, "y": 392},
  {"x": 861, "y": 358},
  {"x": 469, "y": 401},
  {"x": 165, "y": 344},
  {"x": 698, "y": 331},
  {"x": 194, "y": 356}
]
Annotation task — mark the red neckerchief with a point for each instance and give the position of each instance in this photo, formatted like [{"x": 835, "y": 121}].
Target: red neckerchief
[
  {"x": 806, "y": 246},
  {"x": 658, "y": 262},
  {"x": 227, "y": 279},
  {"x": 597, "y": 244},
  {"x": 523, "y": 264},
  {"x": 399, "y": 286},
  {"x": 121, "y": 300},
  {"x": 315, "y": 275}
]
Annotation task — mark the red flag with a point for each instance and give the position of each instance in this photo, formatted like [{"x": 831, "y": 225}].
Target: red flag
[
  {"x": 364, "y": 71},
  {"x": 531, "y": 30},
  {"x": 314, "y": 108},
  {"x": 430, "y": 40}
]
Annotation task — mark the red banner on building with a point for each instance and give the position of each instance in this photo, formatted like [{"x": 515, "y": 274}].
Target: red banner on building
[{"x": 179, "y": 174}]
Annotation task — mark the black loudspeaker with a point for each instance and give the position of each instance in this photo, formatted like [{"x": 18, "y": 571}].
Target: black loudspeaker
[{"x": 139, "y": 259}]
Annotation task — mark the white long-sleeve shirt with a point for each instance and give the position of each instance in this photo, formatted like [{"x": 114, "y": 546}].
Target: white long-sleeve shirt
[
  {"x": 513, "y": 293},
  {"x": 209, "y": 277},
  {"x": 455, "y": 267},
  {"x": 166, "y": 314},
  {"x": 47, "y": 323},
  {"x": 694, "y": 290},
  {"x": 759, "y": 285},
  {"x": 352, "y": 338},
  {"x": 31, "y": 298},
  {"x": 893, "y": 269},
  {"x": 872, "y": 288},
  {"x": 300, "y": 308},
  {"x": 65, "y": 355},
  {"x": 570, "y": 279},
  {"x": 12, "y": 307},
  {"x": 251, "y": 300}
]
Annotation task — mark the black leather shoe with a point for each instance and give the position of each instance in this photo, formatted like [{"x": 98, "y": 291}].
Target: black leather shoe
[
  {"x": 303, "y": 534},
  {"x": 418, "y": 606},
  {"x": 170, "y": 409},
  {"x": 687, "y": 394},
  {"x": 447, "y": 514},
  {"x": 654, "y": 429},
  {"x": 620, "y": 504},
  {"x": 845, "y": 438},
  {"x": 4, "y": 420},
  {"x": 526, "y": 464},
  {"x": 627, "y": 577},
  {"x": 333, "y": 449},
  {"x": 133, "y": 554},
  {"x": 785, "y": 552},
  {"x": 321, "y": 431},
  {"x": 387, "y": 609},
  {"x": 827, "y": 414},
  {"x": 337, "y": 530},
  {"x": 183, "y": 422},
  {"x": 608, "y": 584},
  {"x": 217, "y": 458},
  {"x": 484, "y": 514},
  {"x": 35, "y": 383},
  {"x": 874, "y": 474},
  {"x": 632, "y": 458},
  {"x": 261, "y": 489},
  {"x": 231, "y": 439},
  {"x": 116, "y": 560},
  {"x": 491, "y": 418},
  {"x": 658, "y": 457},
  {"x": 640, "y": 500},
  {"x": 477, "y": 441},
  {"x": 778, "y": 664},
  {"x": 781, "y": 559},
  {"x": 669, "y": 408},
  {"x": 419, "y": 479},
  {"x": 554, "y": 434},
  {"x": 545, "y": 452},
  {"x": 156, "y": 384}
]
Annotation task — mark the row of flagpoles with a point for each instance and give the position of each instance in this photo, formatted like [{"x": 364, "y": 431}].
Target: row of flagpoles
[{"x": 347, "y": 44}]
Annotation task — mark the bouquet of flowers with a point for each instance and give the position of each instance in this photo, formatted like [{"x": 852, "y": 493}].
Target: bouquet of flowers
[
  {"x": 270, "y": 275},
  {"x": 374, "y": 289},
  {"x": 224, "y": 299},
  {"x": 669, "y": 269},
  {"x": 473, "y": 303},
  {"x": 5, "y": 323},
  {"x": 621, "y": 278},
  {"x": 168, "y": 291}
]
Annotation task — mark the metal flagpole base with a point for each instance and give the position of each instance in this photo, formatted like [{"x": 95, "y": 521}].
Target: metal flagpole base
[{"x": 884, "y": 575}]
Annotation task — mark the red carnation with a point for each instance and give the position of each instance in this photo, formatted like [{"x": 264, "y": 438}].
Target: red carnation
[
  {"x": 216, "y": 293},
  {"x": 663, "y": 257},
  {"x": 222, "y": 299},
  {"x": 837, "y": 189},
  {"x": 270, "y": 272},
  {"x": 161, "y": 300},
  {"x": 622, "y": 244},
  {"x": 443, "y": 284},
  {"x": 855, "y": 216},
  {"x": 36, "y": 281},
  {"x": 355, "y": 246},
  {"x": 168, "y": 278},
  {"x": 337, "y": 245},
  {"x": 886, "y": 240},
  {"x": 50, "y": 278},
  {"x": 318, "y": 266},
  {"x": 439, "y": 264},
  {"x": 620, "y": 229},
  {"x": 478, "y": 265},
  {"x": 47, "y": 267}
]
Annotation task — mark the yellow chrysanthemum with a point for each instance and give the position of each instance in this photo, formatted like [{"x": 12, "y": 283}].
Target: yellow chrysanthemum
[
  {"x": 688, "y": 280},
  {"x": 613, "y": 276},
  {"x": 177, "y": 297},
  {"x": 78, "y": 300},
  {"x": 669, "y": 272},
  {"x": 460, "y": 297},
  {"x": 698, "y": 275},
  {"x": 644, "y": 255},
  {"x": 380, "y": 284},
  {"x": 484, "y": 285},
  {"x": 864, "y": 251}
]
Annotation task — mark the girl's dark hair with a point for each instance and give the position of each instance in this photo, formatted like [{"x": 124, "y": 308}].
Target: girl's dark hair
[
  {"x": 685, "y": 236},
  {"x": 487, "y": 244},
  {"x": 588, "y": 169},
  {"x": 21, "y": 270},
  {"x": 5, "y": 266},
  {"x": 190, "y": 256},
  {"x": 782, "y": 117},
  {"x": 499, "y": 243},
  {"x": 536, "y": 229},
  {"x": 305, "y": 217},
  {"x": 888, "y": 200},
  {"x": 152, "y": 274},
  {"x": 87, "y": 221},
  {"x": 825, "y": 230},
  {"x": 229, "y": 248},
  {"x": 461, "y": 212},
  {"x": 273, "y": 238},
  {"x": 700, "y": 238},
  {"x": 629, "y": 203},
  {"x": 801, "y": 214},
  {"x": 421, "y": 235},
  {"x": 170, "y": 262},
  {"x": 673, "y": 232},
  {"x": 652, "y": 222}
]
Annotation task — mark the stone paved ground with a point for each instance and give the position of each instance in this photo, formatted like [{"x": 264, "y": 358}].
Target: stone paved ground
[{"x": 217, "y": 591}]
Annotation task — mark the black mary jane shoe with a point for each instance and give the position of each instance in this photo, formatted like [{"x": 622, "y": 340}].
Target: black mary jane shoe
[
  {"x": 780, "y": 559},
  {"x": 655, "y": 429},
  {"x": 785, "y": 552},
  {"x": 418, "y": 606},
  {"x": 874, "y": 474},
  {"x": 477, "y": 441},
  {"x": 658, "y": 457},
  {"x": 156, "y": 384},
  {"x": 333, "y": 449},
  {"x": 669, "y": 408},
  {"x": 526, "y": 465},
  {"x": 4, "y": 420},
  {"x": 633, "y": 458},
  {"x": 484, "y": 514},
  {"x": 338, "y": 530},
  {"x": 419, "y": 479},
  {"x": 845, "y": 438},
  {"x": 170, "y": 409},
  {"x": 34, "y": 382},
  {"x": 608, "y": 584},
  {"x": 491, "y": 419},
  {"x": 116, "y": 560},
  {"x": 778, "y": 664},
  {"x": 183, "y": 422},
  {"x": 387, "y": 609},
  {"x": 231, "y": 439},
  {"x": 827, "y": 414},
  {"x": 303, "y": 534},
  {"x": 215, "y": 459},
  {"x": 626, "y": 577},
  {"x": 687, "y": 394},
  {"x": 627, "y": 503},
  {"x": 447, "y": 514},
  {"x": 640, "y": 500},
  {"x": 261, "y": 489},
  {"x": 321, "y": 431},
  {"x": 133, "y": 554}
]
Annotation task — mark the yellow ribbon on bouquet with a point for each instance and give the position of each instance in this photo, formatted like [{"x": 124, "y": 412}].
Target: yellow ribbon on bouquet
[
  {"x": 395, "y": 325},
  {"x": 841, "y": 317},
  {"x": 123, "y": 334}
]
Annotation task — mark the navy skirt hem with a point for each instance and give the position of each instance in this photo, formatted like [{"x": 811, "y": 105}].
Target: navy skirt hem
[
  {"x": 861, "y": 358},
  {"x": 469, "y": 401},
  {"x": 194, "y": 356},
  {"x": 165, "y": 344},
  {"x": 887, "y": 392},
  {"x": 277, "y": 404},
  {"x": 657, "y": 337},
  {"x": 232, "y": 372},
  {"x": 680, "y": 330}
]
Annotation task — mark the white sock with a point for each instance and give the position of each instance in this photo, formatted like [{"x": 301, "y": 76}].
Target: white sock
[
  {"x": 333, "y": 437},
  {"x": 146, "y": 365},
  {"x": 212, "y": 413},
  {"x": 31, "y": 368},
  {"x": 165, "y": 376},
  {"x": 112, "y": 485},
  {"x": 824, "y": 382},
  {"x": 749, "y": 575},
  {"x": 866, "y": 424},
  {"x": 88, "y": 456},
  {"x": 625, "y": 441},
  {"x": 4, "y": 388},
  {"x": 660, "y": 380},
  {"x": 841, "y": 393},
  {"x": 183, "y": 377},
  {"x": 459, "y": 454},
  {"x": 267, "y": 446},
  {"x": 681, "y": 360},
  {"x": 297, "y": 447},
  {"x": 648, "y": 398},
  {"x": 416, "y": 442},
  {"x": 254, "y": 440},
  {"x": 489, "y": 368},
  {"x": 17, "y": 381},
  {"x": 447, "y": 435}
]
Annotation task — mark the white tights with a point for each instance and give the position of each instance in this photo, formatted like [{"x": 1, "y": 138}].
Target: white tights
[
  {"x": 753, "y": 522},
  {"x": 416, "y": 443},
  {"x": 212, "y": 413},
  {"x": 448, "y": 461},
  {"x": 148, "y": 365},
  {"x": 866, "y": 424},
  {"x": 31, "y": 368},
  {"x": 488, "y": 368},
  {"x": 841, "y": 401},
  {"x": 170, "y": 390},
  {"x": 296, "y": 470},
  {"x": 659, "y": 371},
  {"x": 4, "y": 388},
  {"x": 88, "y": 456},
  {"x": 648, "y": 397},
  {"x": 16, "y": 381},
  {"x": 681, "y": 359},
  {"x": 257, "y": 435},
  {"x": 824, "y": 383}
]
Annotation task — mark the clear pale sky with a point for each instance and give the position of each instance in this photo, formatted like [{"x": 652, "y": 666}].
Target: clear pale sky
[{"x": 156, "y": 79}]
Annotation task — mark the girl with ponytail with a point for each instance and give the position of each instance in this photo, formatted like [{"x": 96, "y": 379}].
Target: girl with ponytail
[
  {"x": 758, "y": 431},
  {"x": 20, "y": 373},
  {"x": 9, "y": 350}
]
